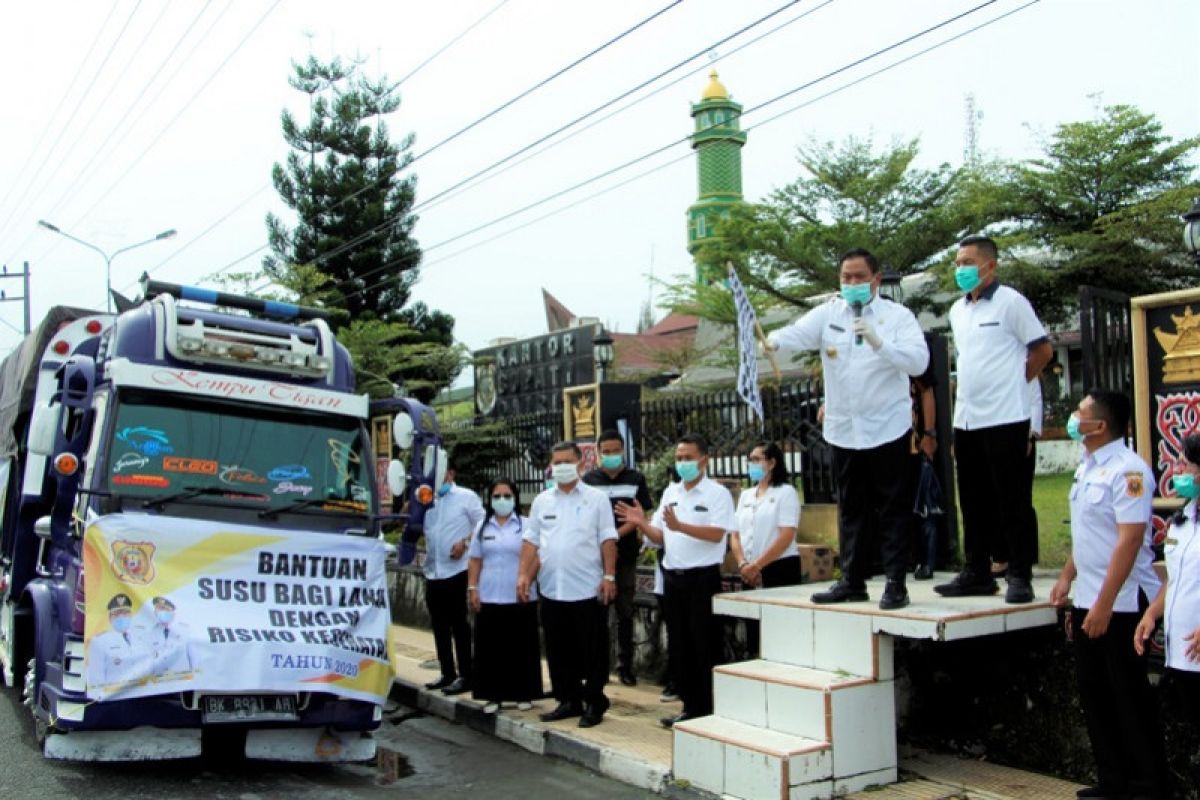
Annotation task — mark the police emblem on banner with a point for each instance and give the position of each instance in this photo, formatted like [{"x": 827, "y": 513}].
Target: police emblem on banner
[{"x": 133, "y": 562}]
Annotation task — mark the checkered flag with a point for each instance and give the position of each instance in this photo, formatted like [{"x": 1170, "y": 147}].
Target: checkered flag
[{"x": 747, "y": 384}]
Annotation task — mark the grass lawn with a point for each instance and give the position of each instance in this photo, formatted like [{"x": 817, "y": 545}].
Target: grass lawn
[{"x": 1054, "y": 526}]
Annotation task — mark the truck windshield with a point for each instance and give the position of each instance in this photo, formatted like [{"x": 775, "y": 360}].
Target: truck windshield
[{"x": 170, "y": 449}]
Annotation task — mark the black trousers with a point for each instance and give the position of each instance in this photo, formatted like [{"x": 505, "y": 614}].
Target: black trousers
[
  {"x": 1030, "y": 522},
  {"x": 1186, "y": 687},
  {"x": 694, "y": 636},
  {"x": 626, "y": 589},
  {"x": 996, "y": 497},
  {"x": 780, "y": 572},
  {"x": 446, "y": 600},
  {"x": 508, "y": 653},
  {"x": 668, "y": 674},
  {"x": 576, "y": 649},
  {"x": 875, "y": 495},
  {"x": 1120, "y": 709}
]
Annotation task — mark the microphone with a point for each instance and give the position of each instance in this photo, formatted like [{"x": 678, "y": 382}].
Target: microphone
[{"x": 856, "y": 308}]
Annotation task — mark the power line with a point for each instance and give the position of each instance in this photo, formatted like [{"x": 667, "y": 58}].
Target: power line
[
  {"x": 387, "y": 223},
  {"x": 54, "y": 114},
  {"x": 73, "y": 115},
  {"x": 659, "y": 150},
  {"x": 452, "y": 42},
  {"x": 558, "y": 73}
]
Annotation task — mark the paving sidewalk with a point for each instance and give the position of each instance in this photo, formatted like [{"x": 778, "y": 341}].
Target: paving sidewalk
[{"x": 631, "y": 746}]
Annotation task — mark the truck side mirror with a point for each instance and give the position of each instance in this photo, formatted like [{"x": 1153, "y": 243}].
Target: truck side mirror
[
  {"x": 403, "y": 429},
  {"x": 42, "y": 430},
  {"x": 396, "y": 479},
  {"x": 42, "y": 528}
]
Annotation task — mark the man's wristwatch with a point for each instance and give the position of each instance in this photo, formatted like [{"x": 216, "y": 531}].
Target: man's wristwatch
[
  {"x": 743, "y": 564},
  {"x": 472, "y": 588},
  {"x": 610, "y": 578}
]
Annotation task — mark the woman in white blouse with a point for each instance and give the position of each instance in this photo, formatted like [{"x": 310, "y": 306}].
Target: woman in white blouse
[
  {"x": 767, "y": 515},
  {"x": 508, "y": 656}
]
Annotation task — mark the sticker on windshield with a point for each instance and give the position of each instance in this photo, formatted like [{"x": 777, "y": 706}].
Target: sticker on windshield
[
  {"x": 359, "y": 493},
  {"x": 196, "y": 466},
  {"x": 140, "y": 480},
  {"x": 130, "y": 461},
  {"x": 289, "y": 472},
  {"x": 287, "y": 487},
  {"x": 232, "y": 473},
  {"x": 342, "y": 455},
  {"x": 147, "y": 441}
]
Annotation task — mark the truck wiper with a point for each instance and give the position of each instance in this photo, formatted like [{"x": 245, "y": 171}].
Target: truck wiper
[
  {"x": 300, "y": 505},
  {"x": 189, "y": 492}
]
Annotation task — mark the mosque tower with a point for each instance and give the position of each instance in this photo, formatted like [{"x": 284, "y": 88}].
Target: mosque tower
[{"x": 718, "y": 141}]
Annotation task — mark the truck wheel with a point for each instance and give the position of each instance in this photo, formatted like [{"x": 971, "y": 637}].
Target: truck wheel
[{"x": 29, "y": 696}]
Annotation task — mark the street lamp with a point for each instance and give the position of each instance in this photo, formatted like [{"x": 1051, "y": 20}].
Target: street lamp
[
  {"x": 108, "y": 259},
  {"x": 602, "y": 351},
  {"x": 1191, "y": 230},
  {"x": 889, "y": 286}
]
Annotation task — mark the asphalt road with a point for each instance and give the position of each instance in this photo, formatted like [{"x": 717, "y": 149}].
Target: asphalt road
[{"x": 435, "y": 759}]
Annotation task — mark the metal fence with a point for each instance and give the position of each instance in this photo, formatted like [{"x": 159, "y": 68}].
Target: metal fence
[{"x": 721, "y": 417}]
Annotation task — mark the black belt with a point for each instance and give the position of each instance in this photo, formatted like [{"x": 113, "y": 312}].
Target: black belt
[{"x": 679, "y": 573}]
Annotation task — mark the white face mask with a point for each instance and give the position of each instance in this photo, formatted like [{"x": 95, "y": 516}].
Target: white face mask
[{"x": 565, "y": 473}]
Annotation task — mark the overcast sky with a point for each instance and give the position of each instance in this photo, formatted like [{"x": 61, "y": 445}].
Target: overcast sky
[{"x": 164, "y": 126}]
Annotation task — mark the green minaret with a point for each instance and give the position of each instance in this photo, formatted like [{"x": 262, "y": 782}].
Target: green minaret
[{"x": 718, "y": 142}]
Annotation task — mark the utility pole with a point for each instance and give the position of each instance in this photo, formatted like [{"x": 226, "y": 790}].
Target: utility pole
[{"x": 4, "y": 298}]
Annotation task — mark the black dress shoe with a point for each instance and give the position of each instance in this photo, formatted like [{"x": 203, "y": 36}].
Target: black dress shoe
[
  {"x": 627, "y": 677},
  {"x": 458, "y": 687},
  {"x": 1019, "y": 590},
  {"x": 923, "y": 572},
  {"x": 968, "y": 584},
  {"x": 669, "y": 722},
  {"x": 1098, "y": 793},
  {"x": 563, "y": 711},
  {"x": 841, "y": 592},
  {"x": 894, "y": 596},
  {"x": 440, "y": 683}
]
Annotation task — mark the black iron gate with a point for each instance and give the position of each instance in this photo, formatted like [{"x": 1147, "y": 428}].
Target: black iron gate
[{"x": 1104, "y": 328}]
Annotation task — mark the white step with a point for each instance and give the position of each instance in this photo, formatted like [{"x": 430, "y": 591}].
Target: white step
[
  {"x": 730, "y": 758},
  {"x": 855, "y": 715}
]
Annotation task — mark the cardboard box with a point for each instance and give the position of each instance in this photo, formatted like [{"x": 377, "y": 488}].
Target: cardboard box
[{"x": 816, "y": 563}]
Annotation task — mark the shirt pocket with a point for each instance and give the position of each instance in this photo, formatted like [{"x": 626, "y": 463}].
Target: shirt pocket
[
  {"x": 1094, "y": 493},
  {"x": 835, "y": 343}
]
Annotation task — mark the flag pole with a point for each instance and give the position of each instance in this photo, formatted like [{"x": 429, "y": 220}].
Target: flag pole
[{"x": 762, "y": 337}]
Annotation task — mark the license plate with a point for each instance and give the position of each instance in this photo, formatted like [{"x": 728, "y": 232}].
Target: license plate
[{"x": 248, "y": 707}]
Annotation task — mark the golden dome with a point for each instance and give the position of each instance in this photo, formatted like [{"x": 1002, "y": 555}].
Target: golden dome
[{"x": 715, "y": 90}]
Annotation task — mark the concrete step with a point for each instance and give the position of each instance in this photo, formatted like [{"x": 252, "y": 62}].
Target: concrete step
[{"x": 733, "y": 759}]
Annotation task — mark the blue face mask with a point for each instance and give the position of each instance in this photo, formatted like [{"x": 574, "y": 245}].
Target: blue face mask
[
  {"x": 756, "y": 472},
  {"x": 688, "y": 470},
  {"x": 612, "y": 462},
  {"x": 503, "y": 506},
  {"x": 1185, "y": 485},
  {"x": 1073, "y": 429},
  {"x": 164, "y": 617},
  {"x": 967, "y": 277},
  {"x": 122, "y": 623},
  {"x": 444, "y": 489},
  {"x": 856, "y": 293}
]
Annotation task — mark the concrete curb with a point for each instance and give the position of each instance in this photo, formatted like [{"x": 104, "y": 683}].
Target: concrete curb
[{"x": 543, "y": 741}]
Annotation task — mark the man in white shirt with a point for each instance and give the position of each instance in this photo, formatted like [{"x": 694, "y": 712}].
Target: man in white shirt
[
  {"x": 570, "y": 548},
  {"x": 691, "y": 525},
  {"x": 455, "y": 515},
  {"x": 1001, "y": 347},
  {"x": 870, "y": 348},
  {"x": 1111, "y": 535}
]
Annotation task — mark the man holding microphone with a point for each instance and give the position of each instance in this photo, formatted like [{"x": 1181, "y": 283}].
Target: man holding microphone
[{"x": 870, "y": 347}]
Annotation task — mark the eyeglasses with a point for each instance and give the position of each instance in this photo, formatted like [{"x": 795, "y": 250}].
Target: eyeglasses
[{"x": 502, "y": 497}]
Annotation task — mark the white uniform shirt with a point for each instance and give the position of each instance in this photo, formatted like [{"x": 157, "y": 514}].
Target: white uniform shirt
[
  {"x": 867, "y": 401},
  {"x": 992, "y": 336},
  {"x": 114, "y": 657},
  {"x": 498, "y": 548},
  {"x": 1181, "y": 551},
  {"x": 1112, "y": 486},
  {"x": 168, "y": 648},
  {"x": 709, "y": 504},
  {"x": 760, "y": 518},
  {"x": 453, "y": 518},
  {"x": 568, "y": 529},
  {"x": 1037, "y": 409}
]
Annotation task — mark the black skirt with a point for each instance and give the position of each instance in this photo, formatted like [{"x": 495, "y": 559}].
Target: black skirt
[
  {"x": 508, "y": 653},
  {"x": 782, "y": 572}
]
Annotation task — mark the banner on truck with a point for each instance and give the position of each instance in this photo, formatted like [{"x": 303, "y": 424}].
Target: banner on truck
[{"x": 192, "y": 605}]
